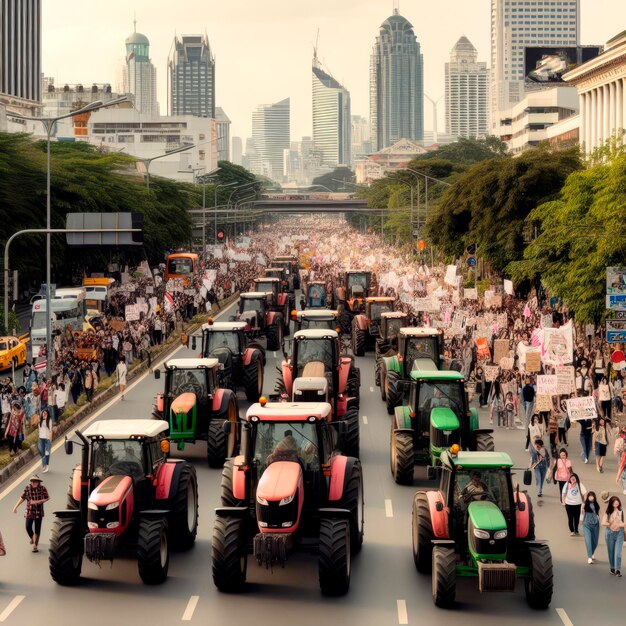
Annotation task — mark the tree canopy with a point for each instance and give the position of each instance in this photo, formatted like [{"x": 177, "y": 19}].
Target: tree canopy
[{"x": 335, "y": 180}]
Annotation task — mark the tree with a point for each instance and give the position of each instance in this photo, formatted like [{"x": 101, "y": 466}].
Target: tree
[
  {"x": 335, "y": 180},
  {"x": 465, "y": 151}
]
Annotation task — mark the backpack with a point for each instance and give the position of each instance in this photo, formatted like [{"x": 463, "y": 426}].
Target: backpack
[{"x": 619, "y": 446}]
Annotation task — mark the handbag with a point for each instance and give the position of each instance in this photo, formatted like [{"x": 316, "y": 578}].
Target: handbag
[{"x": 528, "y": 477}]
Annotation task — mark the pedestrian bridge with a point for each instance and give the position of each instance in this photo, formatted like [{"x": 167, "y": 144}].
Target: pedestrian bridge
[{"x": 271, "y": 205}]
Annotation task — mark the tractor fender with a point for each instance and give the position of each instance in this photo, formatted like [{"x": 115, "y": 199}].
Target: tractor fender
[
  {"x": 402, "y": 418},
  {"x": 474, "y": 422},
  {"x": 239, "y": 478},
  {"x": 342, "y": 406},
  {"x": 247, "y": 356},
  {"x": 341, "y": 293},
  {"x": 218, "y": 397},
  {"x": 361, "y": 322},
  {"x": 76, "y": 483},
  {"x": 160, "y": 402},
  {"x": 344, "y": 372},
  {"x": 392, "y": 363},
  {"x": 282, "y": 298},
  {"x": 269, "y": 317},
  {"x": 522, "y": 518},
  {"x": 167, "y": 479},
  {"x": 287, "y": 372},
  {"x": 438, "y": 519},
  {"x": 340, "y": 472}
]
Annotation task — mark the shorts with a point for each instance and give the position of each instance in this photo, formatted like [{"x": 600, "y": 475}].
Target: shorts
[{"x": 600, "y": 449}]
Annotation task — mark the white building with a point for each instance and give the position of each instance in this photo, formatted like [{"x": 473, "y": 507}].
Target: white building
[
  {"x": 270, "y": 138},
  {"x": 361, "y": 142},
  {"x": 223, "y": 134},
  {"x": 237, "y": 151},
  {"x": 601, "y": 85},
  {"x": 516, "y": 24},
  {"x": 390, "y": 159},
  {"x": 467, "y": 86},
  {"x": 139, "y": 75}
]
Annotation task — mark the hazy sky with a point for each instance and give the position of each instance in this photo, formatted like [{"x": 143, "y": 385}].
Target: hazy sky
[{"x": 263, "y": 48}]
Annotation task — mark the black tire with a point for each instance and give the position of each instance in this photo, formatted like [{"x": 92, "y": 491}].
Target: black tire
[
  {"x": 358, "y": 339},
  {"x": 422, "y": 534},
  {"x": 353, "y": 501},
  {"x": 184, "y": 513},
  {"x": 484, "y": 442},
  {"x": 402, "y": 457},
  {"x": 253, "y": 378},
  {"x": 216, "y": 444},
  {"x": 531, "y": 525},
  {"x": 153, "y": 551},
  {"x": 444, "y": 577},
  {"x": 226, "y": 486},
  {"x": 65, "y": 556},
  {"x": 229, "y": 558},
  {"x": 72, "y": 502},
  {"x": 350, "y": 443},
  {"x": 279, "y": 386},
  {"x": 334, "y": 557},
  {"x": 275, "y": 334},
  {"x": 287, "y": 320},
  {"x": 393, "y": 397},
  {"x": 539, "y": 584},
  {"x": 353, "y": 385}
]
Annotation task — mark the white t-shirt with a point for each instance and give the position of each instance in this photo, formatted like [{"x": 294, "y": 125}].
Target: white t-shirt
[
  {"x": 121, "y": 373},
  {"x": 44, "y": 431},
  {"x": 574, "y": 494},
  {"x": 60, "y": 397}
]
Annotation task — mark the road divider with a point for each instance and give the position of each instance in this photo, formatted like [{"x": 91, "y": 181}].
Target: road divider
[
  {"x": 564, "y": 617},
  {"x": 365, "y": 419}
]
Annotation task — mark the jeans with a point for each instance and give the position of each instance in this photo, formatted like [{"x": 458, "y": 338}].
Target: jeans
[
  {"x": 44, "y": 450},
  {"x": 585, "y": 442},
  {"x": 573, "y": 516},
  {"x": 29, "y": 527},
  {"x": 614, "y": 542},
  {"x": 540, "y": 476},
  {"x": 623, "y": 480},
  {"x": 528, "y": 410},
  {"x": 591, "y": 534}
]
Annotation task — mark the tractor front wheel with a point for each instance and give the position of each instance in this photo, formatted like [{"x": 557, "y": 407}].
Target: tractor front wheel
[
  {"x": 539, "y": 584},
  {"x": 184, "y": 514},
  {"x": 358, "y": 339},
  {"x": 153, "y": 551},
  {"x": 422, "y": 534},
  {"x": 216, "y": 443},
  {"x": 65, "y": 556},
  {"x": 350, "y": 442},
  {"x": 393, "y": 397},
  {"x": 444, "y": 577},
  {"x": 484, "y": 442},
  {"x": 352, "y": 500},
  {"x": 229, "y": 558},
  {"x": 334, "y": 557},
  {"x": 402, "y": 457},
  {"x": 253, "y": 378},
  {"x": 226, "y": 486}
]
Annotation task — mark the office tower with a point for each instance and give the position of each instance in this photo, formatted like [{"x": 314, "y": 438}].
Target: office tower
[
  {"x": 361, "y": 143},
  {"x": 191, "y": 77},
  {"x": 467, "y": 85},
  {"x": 396, "y": 84},
  {"x": 237, "y": 151},
  {"x": 139, "y": 74},
  {"x": 270, "y": 137},
  {"x": 222, "y": 122}
]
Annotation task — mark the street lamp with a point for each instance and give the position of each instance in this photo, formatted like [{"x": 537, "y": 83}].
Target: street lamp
[
  {"x": 49, "y": 124},
  {"x": 215, "y": 205},
  {"x": 148, "y": 161},
  {"x": 239, "y": 202},
  {"x": 426, "y": 179},
  {"x": 203, "y": 179},
  {"x": 234, "y": 191}
]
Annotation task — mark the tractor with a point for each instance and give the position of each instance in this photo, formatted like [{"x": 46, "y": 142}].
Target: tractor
[
  {"x": 286, "y": 283},
  {"x": 357, "y": 286},
  {"x": 315, "y": 318},
  {"x": 387, "y": 343},
  {"x": 255, "y": 310},
  {"x": 316, "y": 371},
  {"x": 241, "y": 363},
  {"x": 279, "y": 301},
  {"x": 366, "y": 326},
  {"x": 438, "y": 415},
  {"x": 478, "y": 524},
  {"x": 292, "y": 269},
  {"x": 318, "y": 296},
  {"x": 292, "y": 490},
  {"x": 195, "y": 406},
  {"x": 418, "y": 348},
  {"x": 125, "y": 496}
]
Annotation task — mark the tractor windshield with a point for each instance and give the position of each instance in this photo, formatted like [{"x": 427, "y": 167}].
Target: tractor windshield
[
  {"x": 191, "y": 380},
  {"x": 316, "y": 322},
  {"x": 393, "y": 327},
  {"x": 286, "y": 441},
  {"x": 112, "y": 457},
  {"x": 421, "y": 348},
  {"x": 218, "y": 339},
  {"x": 358, "y": 279},
  {"x": 266, "y": 286},
  {"x": 250, "y": 304},
  {"x": 378, "y": 308},
  {"x": 491, "y": 484},
  {"x": 316, "y": 295},
  {"x": 314, "y": 350},
  {"x": 434, "y": 394}
]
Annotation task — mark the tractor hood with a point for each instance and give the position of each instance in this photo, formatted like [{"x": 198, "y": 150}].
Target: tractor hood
[
  {"x": 111, "y": 490},
  {"x": 183, "y": 403},
  {"x": 443, "y": 418},
  {"x": 279, "y": 481},
  {"x": 486, "y": 516}
]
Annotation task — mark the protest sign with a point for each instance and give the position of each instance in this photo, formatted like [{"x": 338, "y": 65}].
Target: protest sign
[
  {"x": 470, "y": 294},
  {"x": 565, "y": 380},
  {"x": 543, "y": 403},
  {"x": 547, "y": 385},
  {"x": 494, "y": 299},
  {"x": 482, "y": 349},
  {"x": 132, "y": 313},
  {"x": 500, "y": 349},
  {"x": 581, "y": 408},
  {"x": 117, "y": 325},
  {"x": 506, "y": 363},
  {"x": 558, "y": 345},
  {"x": 508, "y": 287},
  {"x": 491, "y": 372},
  {"x": 533, "y": 362},
  {"x": 450, "y": 277},
  {"x": 149, "y": 289},
  {"x": 502, "y": 321}
]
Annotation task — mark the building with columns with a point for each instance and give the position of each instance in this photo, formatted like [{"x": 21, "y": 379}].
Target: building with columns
[{"x": 601, "y": 85}]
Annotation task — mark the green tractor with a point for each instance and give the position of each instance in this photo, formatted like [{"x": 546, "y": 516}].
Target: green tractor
[
  {"x": 437, "y": 416},
  {"x": 418, "y": 348},
  {"x": 479, "y": 525}
]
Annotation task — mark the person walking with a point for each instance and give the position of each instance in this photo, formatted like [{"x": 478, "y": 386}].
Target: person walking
[
  {"x": 60, "y": 398},
  {"x": 89, "y": 383},
  {"x": 613, "y": 521},
  {"x": 590, "y": 519},
  {"x": 605, "y": 397},
  {"x": 528, "y": 399},
  {"x": 122, "y": 371},
  {"x": 45, "y": 438},
  {"x": 562, "y": 469},
  {"x": 586, "y": 437},
  {"x": 536, "y": 430},
  {"x": 572, "y": 498},
  {"x": 540, "y": 461},
  {"x": 600, "y": 442},
  {"x": 621, "y": 470},
  {"x": 35, "y": 495},
  {"x": 15, "y": 428}
]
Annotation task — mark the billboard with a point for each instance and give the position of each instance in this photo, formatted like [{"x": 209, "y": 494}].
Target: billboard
[
  {"x": 545, "y": 65},
  {"x": 616, "y": 281}
]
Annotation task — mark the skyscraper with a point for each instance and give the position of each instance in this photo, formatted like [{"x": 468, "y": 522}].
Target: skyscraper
[
  {"x": 191, "y": 77},
  {"x": 222, "y": 122},
  {"x": 20, "y": 49},
  {"x": 361, "y": 143},
  {"x": 139, "y": 74},
  {"x": 270, "y": 138},
  {"x": 516, "y": 24},
  {"x": 467, "y": 84},
  {"x": 331, "y": 117},
  {"x": 237, "y": 151},
  {"x": 396, "y": 84}
]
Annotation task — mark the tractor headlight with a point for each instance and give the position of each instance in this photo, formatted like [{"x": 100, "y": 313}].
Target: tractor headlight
[
  {"x": 481, "y": 534},
  {"x": 287, "y": 500},
  {"x": 113, "y": 505},
  {"x": 261, "y": 500},
  {"x": 501, "y": 534},
  {"x": 92, "y": 506}
]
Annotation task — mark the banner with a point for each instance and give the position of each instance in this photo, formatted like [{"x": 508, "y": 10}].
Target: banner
[
  {"x": 581, "y": 408},
  {"x": 565, "y": 382},
  {"x": 547, "y": 385},
  {"x": 558, "y": 345},
  {"x": 506, "y": 363},
  {"x": 533, "y": 362},
  {"x": 470, "y": 294},
  {"x": 543, "y": 403},
  {"x": 500, "y": 350},
  {"x": 491, "y": 372}
]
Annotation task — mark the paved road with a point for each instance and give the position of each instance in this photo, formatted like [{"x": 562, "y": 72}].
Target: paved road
[{"x": 385, "y": 588}]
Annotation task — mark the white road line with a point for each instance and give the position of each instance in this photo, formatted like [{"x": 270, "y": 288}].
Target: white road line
[
  {"x": 372, "y": 389},
  {"x": 12, "y": 606},
  {"x": 365, "y": 419},
  {"x": 191, "y": 607},
  {"x": 564, "y": 617},
  {"x": 274, "y": 353},
  {"x": 403, "y": 617},
  {"x": 388, "y": 508}
]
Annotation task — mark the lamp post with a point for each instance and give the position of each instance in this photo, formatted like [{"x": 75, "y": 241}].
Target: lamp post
[
  {"x": 203, "y": 179},
  {"x": 426, "y": 179},
  {"x": 239, "y": 202},
  {"x": 234, "y": 191},
  {"x": 148, "y": 161},
  {"x": 49, "y": 124}
]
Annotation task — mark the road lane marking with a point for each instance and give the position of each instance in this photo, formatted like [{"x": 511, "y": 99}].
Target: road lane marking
[
  {"x": 372, "y": 389},
  {"x": 274, "y": 353},
  {"x": 564, "y": 617},
  {"x": 403, "y": 617},
  {"x": 12, "y": 606},
  {"x": 191, "y": 607},
  {"x": 388, "y": 508},
  {"x": 365, "y": 419}
]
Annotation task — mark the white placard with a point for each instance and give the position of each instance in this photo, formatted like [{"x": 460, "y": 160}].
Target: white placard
[
  {"x": 565, "y": 383},
  {"x": 132, "y": 313},
  {"x": 508, "y": 287},
  {"x": 581, "y": 408},
  {"x": 470, "y": 293},
  {"x": 547, "y": 385}
]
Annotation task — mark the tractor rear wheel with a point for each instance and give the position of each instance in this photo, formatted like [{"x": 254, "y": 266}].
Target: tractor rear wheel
[
  {"x": 358, "y": 339},
  {"x": 350, "y": 442},
  {"x": 353, "y": 384},
  {"x": 65, "y": 556},
  {"x": 184, "y": 513},
  {"x": 153, "y": 550},
  {"x": 422, "y": 534},
  {"x": 72, "y": 502},
  {"x": 334, "y": 557},
  {"x": 382, "y": 380},
  {"x": 393, "y": 397},
  {"x": 352, "y": 500},
  {"x": 444, "y": 576},
  {"x": 484, "y": 442},
  {"x": 216, "y": 443},
  {"x": 539, "y": 584},
  {"x": 402, "y": 457},
  {"x": 275, "y": 334},
  {"x": 226, "y": 486},
  {"x": 279, "y": 386},
  {"x": 253, "y": 378},
  {"x": 229, "y": 558}
]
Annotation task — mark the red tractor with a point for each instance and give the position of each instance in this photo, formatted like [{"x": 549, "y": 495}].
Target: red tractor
[
  {"x": 291, "y": 490},
  {"x": 316, "y": 371},
  {"x": 291, "y": 266},
  {"x": 366, "y": 327},
  {"x": 279, "y": 301},
  {"x": 286, "y": 283},
  {"x": 255, "y": 308},
  {"x": 315, "y": 318},
  {"x": 125, "y": 494}
]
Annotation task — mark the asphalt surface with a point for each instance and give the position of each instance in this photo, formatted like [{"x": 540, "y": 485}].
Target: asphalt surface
[{"x": 385, "y": 587}]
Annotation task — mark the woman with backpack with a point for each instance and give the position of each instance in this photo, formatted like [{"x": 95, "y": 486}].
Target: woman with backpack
[
  {"x": 590, "y": 519},
  {"x": 613, "y": 521}
]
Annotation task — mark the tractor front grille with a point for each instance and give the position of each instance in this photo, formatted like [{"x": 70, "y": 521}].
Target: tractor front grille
[
  {"x": 438, "y": 439},
  {"x": 496, "y": 576}
]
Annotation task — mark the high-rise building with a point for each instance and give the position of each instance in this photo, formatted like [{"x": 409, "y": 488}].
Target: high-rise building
[
  {"x": 222, "y": 122},
  {"x": 237, "y": 151},
  {"x": 396, "y": 84},
  {"x": 191, "y": 77},
  {"x": 331, "y": 117},
  {"x": 20, "y": 49},
  {"x": 467, "y": 87},
  {"x": 516, "y": 24},
  {"x": 270, "y": 138},
  {"x": 361, "y": 143},
  {"x": 139, "y": 75}
]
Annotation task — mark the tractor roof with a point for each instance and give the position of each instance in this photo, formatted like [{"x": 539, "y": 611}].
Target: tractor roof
[
  {"x": 380, "y": 299},
  {"x": 254, "y": 295},
  {"x": 274, "y": 269},
  {"x": 289, "y": 411},
  {"x": 421, "y": 331},
  {"x": 191, "y": 364},
  {"x": 357, "y": 272},
  {"x": 392, "y": 315},
  {"x": 286, "y": 257},
  {"x": 316, "y": 282},
  {"x": 126, "y": 428},
  {"x": 267, "y": 279},
  {"x": 220, "y": 327},
  {"x": 317, "y": 314},
  {"x": 477, "y": 459},
  {"x": 316, "y": 333},
  {"x": 436, "y": 375}
]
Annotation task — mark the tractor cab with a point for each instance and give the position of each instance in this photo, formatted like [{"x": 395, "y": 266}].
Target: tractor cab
[
  {"x": 316, "y": 318},
  {"x": 219, "y": 336},
  {"x": 253, "y": 306},
  {"x": 366, "y": 325},
  {"x": 290, "y": 268},
  {"x": 356, "y": 287},
  {"x": 374, "y": 309},
  {"x": 269, "y": 284},
  {"x": 278, "y": 273},
  {"x": 317, "y": 295},
  {"x": 390, "y": 324},
  {"x": 421, "y": 349},
  {"x": 315, "y": 352}
]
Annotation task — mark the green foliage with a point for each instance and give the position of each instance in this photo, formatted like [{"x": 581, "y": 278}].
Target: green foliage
[
  {"x": 14, "y": 322},
  {"x": 464, "y": 151},
  {"x": 334, "y": 180}
]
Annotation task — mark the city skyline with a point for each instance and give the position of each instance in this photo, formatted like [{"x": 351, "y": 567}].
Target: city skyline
[{"x": 233, "y": 30}]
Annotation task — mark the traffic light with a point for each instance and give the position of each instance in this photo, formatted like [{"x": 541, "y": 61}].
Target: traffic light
[
  {"x": 221, "y": 236},
  {"x": 471, "y": 249},
  {"x": 421, "y": 244}
]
